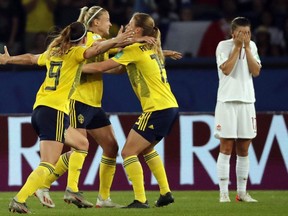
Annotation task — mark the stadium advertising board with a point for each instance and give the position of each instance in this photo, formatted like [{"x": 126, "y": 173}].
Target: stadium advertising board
[{"x": 189, "y": 154}]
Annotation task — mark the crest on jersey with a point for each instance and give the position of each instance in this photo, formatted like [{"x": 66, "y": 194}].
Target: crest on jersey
[{"x": 80, "y": 118}]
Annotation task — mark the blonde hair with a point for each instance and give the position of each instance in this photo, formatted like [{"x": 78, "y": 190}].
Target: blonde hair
[
  {"x": 68, "y": 37},
  {"x": 88, "y": 15},
  {"x": 146, "y": 22}
]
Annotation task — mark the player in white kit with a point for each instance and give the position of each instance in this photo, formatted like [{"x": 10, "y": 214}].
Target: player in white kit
[{"x": 235, "y": 117}]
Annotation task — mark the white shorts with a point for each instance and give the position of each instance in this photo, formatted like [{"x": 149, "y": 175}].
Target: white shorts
[{"x": 235, "y": 120}]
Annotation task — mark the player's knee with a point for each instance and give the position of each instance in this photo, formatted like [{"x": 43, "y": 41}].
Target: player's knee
[
  {"x": 83, "y": 144},
  {"x": 125, "y": 153},
  {"x": 226, "y": 151},
  {"x": 111, "y": 150}
]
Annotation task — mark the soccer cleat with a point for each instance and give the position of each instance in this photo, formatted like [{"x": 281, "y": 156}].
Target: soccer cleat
[
  {"x": 77, "y": 199},
  {"x": 18, "y": 207},
  {"x": 245, "y": 197},
  {"x": 101, "y": 203},
  {"x": 164, "y": 200},
  {"x": 224, "y": 197},
  {"x": 137, "y": 204},
  {"x": 44, "y": 197}
]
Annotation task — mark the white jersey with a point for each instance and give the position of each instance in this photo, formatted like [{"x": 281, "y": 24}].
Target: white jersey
[{"x": 238, "y": 85}]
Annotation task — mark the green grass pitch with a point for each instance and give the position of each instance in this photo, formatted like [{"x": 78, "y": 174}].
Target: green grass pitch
[{"x": 194, "y": 203}]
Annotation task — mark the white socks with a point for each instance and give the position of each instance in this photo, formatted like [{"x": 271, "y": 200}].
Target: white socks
[
  {"x": 223, "y": 171},
  {"x": 242, "y": 170}
]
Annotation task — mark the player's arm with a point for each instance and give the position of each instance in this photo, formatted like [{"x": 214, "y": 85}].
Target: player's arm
[
  {"x": 24, "y": 59},
  {"x": 146, "y": 39},
  {"x": 228, "y": 65},
  {"x": 117, "y": 70},
  {"x": 253, "y": 65},
  {"x": 119, "y": 46},
  {"x": 172, "y": 54},
  {"x": 102, "y": 46},
  {"x": 106, "y": 66}
]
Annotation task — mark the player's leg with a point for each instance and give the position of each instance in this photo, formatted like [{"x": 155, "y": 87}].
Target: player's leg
[
  {"x": 63, "y": 162},
  {"x": 50, "y": 151},
  {"x": 60, "y": 168},
  {"x": 45, "y": 121},
  {"x": 247, "y": 130},
  {"x": 155, "y": 164},
  {"x": 99, "y": 127},
  {"x": 226, "y": 131},
  {"x": 105, "y": 137},
  {"x": 223, "y": 168},
  {"x": 134, "y": 145},
  {"x": 80, "y": 144},
  {"x": 159, "y": 125},
  {"x": 242, "y": 170}
]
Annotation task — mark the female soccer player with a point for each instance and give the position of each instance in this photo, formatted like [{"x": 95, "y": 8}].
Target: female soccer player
[
  {"x": 63, "y": 59},
  {"x": 235, "y": 117},
  {"x": 145, "y": 67}
]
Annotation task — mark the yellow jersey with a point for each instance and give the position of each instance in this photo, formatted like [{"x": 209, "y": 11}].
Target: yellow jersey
[
  {"x": 90, "y": 90},
  {"x": 147, "y": 76},
  {"x": 62, "y": 77}
]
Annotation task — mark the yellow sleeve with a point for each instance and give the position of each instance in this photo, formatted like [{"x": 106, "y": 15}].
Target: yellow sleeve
[
  {"x": 128, "y": 55},
  {"x": 78, "y": 53},
  {"x": 42, "y": 59},
  {"x": 113, "y": 51},
  {"x": 91, "y": 38}
]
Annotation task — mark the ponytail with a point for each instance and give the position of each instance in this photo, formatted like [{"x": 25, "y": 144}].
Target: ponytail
[
  {"x": 157, "y": 47},
  {"x": 67, "y": 38},
  {"x": 82, "y": 14}
]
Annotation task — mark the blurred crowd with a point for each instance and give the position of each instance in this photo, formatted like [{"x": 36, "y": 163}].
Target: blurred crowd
[{"x": 25, "y": 25}]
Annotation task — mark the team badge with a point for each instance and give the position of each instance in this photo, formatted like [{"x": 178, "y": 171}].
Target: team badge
[{"x": 80, "y": 118}]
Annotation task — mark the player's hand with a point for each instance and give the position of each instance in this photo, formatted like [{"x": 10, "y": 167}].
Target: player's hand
[
  {"x": 172, "y": 54},
  {"x": 4, "y": 57},
  {"x": 246, "y": 39},
  {"x": 124, "y": 36},
  {"x": 147, "y": 39},
  {"x": 238, "y": 39},
  {"x": 121, "y": 30}
]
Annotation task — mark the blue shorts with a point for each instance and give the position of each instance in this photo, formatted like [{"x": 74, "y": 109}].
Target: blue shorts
[
  {"x": 49, "y": 123},
  {"x": 153, "y": 126},
  {"x": 87, "y": 117}
]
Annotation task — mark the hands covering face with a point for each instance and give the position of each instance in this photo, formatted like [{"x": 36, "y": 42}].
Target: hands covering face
[{"x": 242, "y": 38}]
